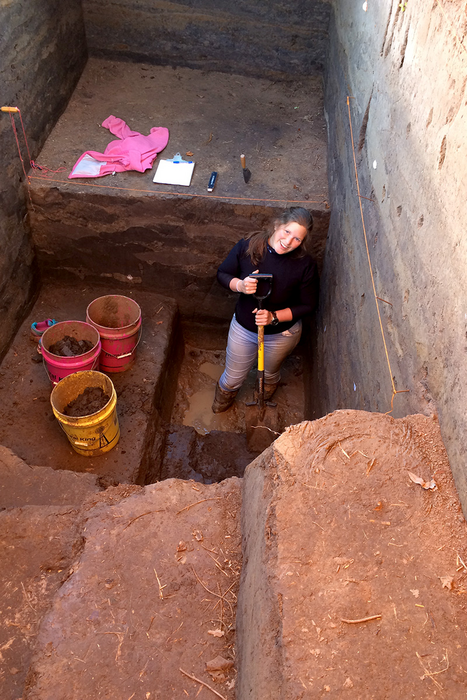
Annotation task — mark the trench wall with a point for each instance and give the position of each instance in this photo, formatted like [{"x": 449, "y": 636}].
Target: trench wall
[
  {"x": 42, "y": 54},
  {"x": 172, "y": 247},
  {"x": 253, "y": 38},
  {"x": 405, "y": 70}
]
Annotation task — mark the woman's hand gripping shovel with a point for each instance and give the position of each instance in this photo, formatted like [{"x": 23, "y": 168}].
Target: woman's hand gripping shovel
[{"x": 258, "y": 435}]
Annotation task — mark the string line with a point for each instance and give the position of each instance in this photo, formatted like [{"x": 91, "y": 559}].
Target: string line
[
  {"x": 394, "y": 390},
  {"x": 13, "y": 125}
]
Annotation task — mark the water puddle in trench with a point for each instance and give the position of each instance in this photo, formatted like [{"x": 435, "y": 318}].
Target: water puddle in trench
[
  {"x": 199, "y": 413},
  {"x": 208, "y": 447}
]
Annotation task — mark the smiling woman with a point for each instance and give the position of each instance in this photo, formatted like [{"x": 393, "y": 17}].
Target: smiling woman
[
  {"x": 280, "y": 253},
  {"x": 288, "y": 237}
]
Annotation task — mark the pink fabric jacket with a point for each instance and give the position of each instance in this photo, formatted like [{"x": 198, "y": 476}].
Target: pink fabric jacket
[{"x": 131, "y": 151}]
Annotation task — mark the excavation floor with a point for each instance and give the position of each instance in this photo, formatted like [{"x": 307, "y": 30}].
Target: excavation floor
[
  {"x": 28, "y": 425},
  {"x": 208, "y": 447},
  {"x": 279, "y": 126},
  {"x": 200, "y": 445}
]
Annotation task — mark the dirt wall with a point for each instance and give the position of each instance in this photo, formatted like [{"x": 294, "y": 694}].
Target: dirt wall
[
  {"x": 149, "y": 243},
  {"x": 259, "y": 38},
  {"x": 403, "y": 67},
  {"x": 42, "y": 54}
]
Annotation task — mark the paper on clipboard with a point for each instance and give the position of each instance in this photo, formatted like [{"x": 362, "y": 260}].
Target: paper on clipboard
[{"x": 174, "y": 171}]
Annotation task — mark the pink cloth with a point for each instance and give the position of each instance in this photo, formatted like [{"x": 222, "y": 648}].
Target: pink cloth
[{"x": 131, "y": 151}]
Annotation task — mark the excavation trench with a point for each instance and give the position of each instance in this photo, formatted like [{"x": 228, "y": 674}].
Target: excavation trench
[
  {"x": 127, "y": 578},
  {"x": 164, "y": 401},
  {"x": 251, "y": 586},
  {"x": 182, "y": 525},
  {"x": 152, "y": 569},
  {"x": 117, "y": 579},
  {"x": 210, "y": 447},
  {"x": 161, "y": 245}
]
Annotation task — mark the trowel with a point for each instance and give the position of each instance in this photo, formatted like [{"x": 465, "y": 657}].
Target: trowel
[{"x": 246, "y": 172}]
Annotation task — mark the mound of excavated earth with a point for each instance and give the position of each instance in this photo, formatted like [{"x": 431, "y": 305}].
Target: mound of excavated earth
[{"x": 354, "y": 583}]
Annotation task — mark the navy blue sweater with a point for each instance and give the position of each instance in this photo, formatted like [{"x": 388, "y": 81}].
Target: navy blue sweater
[{"x": 295, "y": 285}]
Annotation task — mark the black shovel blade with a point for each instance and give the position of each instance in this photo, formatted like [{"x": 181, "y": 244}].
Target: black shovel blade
[{"x": 246, "y": 175}]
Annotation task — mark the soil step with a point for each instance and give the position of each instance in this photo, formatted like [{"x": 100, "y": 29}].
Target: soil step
[
  {"x": 30, "y": 429},
  {"x": 129, "y": 227},
  {"x": 353, "y": 580},
  {"x": 153, "y": 592},
  {"x": 352, "y": 584},
  {"x": 22, "y": 484}
]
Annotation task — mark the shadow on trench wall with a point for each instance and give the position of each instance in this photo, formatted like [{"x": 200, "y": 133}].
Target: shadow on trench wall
[{"x": 43, "y": 53}]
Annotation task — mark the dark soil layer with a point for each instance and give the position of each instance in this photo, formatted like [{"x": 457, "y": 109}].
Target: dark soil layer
[
  {"x": 205, "y": 458},
  {"x": 91, "y": 400},
  {"x": 70, "y": 347}
]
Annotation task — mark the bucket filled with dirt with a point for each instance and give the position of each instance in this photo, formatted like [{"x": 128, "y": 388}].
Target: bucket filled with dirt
[
  {"x": 68, "y": 347},
  {"x": 85, "y": 405},
  {"x": 118, "y": 320}
]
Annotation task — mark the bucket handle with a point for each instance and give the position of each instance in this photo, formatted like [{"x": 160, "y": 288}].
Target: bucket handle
[
  {"x": 127, "y": 354},
  {"x": 94, "y": 365}
]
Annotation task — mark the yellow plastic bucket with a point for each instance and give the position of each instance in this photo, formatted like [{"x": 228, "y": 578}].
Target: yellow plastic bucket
[{"x": 96, "y": 433}]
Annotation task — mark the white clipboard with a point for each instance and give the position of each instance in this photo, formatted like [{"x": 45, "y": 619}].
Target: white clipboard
[{"x": 174, "y": 171}]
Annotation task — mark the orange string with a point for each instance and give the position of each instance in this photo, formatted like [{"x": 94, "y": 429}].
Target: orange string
[
  {"x": 24, "y": 136},
  {"x": 394, "y": 390},
  {"x": 401, "y": 391},
  {"x": 44, "y": 176},
  {"x": 13, "y": 125}
]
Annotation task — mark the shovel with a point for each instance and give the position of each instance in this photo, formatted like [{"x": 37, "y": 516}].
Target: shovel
[
  {"x": 246, "y": 173},
  {"x": 258, "y": 436}
]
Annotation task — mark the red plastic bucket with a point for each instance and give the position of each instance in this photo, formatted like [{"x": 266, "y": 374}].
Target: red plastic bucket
[
  {"x": 118, "y": 320},
  {"x": 58, "y": 367}
]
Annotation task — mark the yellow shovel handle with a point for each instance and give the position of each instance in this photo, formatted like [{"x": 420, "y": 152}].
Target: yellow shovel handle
[{"x": 260, "y": 348}]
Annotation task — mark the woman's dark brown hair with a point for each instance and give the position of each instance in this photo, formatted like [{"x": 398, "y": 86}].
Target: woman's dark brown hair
[{"x": 258, "y": 240}]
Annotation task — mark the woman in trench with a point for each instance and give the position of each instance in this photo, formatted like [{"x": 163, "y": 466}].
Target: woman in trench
[{"x": 280, "y": 252}]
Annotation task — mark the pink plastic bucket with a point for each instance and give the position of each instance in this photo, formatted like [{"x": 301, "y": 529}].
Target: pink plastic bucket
[
  {"x": 58, "y": 367},
  {"x": 118, "y": 320}
]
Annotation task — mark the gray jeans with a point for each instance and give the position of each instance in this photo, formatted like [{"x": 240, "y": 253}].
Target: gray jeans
[{"x": 242, "y": 351}]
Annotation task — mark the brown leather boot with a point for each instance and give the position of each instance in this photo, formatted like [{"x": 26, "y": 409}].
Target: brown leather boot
[
  {"x": 223, "y": 399},
  {"x": 269, "y": 391}
]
